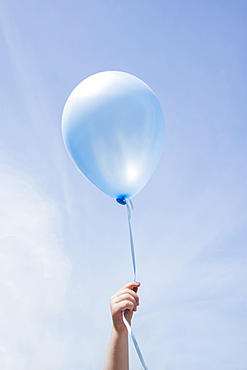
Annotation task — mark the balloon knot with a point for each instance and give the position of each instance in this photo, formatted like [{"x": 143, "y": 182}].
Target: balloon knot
[{"x": 121, "y": 201}]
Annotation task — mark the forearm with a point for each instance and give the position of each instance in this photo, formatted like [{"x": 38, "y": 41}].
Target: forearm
[{"x": 117, "y": 355}]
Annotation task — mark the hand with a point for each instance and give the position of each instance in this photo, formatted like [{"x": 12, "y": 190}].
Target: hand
[{"x": 127, "y": 300}]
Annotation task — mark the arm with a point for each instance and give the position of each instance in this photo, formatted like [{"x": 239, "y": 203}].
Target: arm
[{"x": 127, "y": 300}]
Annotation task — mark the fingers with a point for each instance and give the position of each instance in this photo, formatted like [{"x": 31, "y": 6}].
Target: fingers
[
  {"x": 130, "y": 288},
  {"x": 125, "y": 300},
  {"x": 128, "y": 292},
  {"x": 127, "y": 297},
  {"x": 124, "y": 305},
  {"x": 132, "y": 285}
]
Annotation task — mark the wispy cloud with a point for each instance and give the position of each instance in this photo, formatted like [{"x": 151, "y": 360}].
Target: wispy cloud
[{"x": 34, "y": 274}]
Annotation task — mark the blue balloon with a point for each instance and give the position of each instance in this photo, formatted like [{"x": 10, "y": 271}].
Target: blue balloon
[{"x": 113, "y": 127}]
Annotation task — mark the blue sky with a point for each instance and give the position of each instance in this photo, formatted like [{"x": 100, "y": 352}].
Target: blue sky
[{"x": 64, "y": 247}]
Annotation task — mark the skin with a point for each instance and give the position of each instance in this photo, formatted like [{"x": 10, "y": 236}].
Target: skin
[{"x": 127, "y": 300}]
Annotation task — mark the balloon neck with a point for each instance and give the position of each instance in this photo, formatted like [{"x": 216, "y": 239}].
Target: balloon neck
[{"x": 121, "y": 200}]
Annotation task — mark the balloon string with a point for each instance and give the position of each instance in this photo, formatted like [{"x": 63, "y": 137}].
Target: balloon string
[
  {"x": 138, "y": 351},
  {"x": 130, "y": 209}
]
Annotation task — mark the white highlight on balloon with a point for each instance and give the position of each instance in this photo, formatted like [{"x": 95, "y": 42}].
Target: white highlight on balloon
[{"x": 132, "y": 173}]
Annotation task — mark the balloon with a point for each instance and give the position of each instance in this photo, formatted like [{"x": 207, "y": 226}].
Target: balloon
[{"x": 113, "y": 127}]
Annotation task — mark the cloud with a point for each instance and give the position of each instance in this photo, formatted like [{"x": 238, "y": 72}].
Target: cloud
[{"x": 34, "y": 274}]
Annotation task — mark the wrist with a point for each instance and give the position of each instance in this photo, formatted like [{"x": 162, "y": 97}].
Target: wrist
[{"x": 119, "y": 333}]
